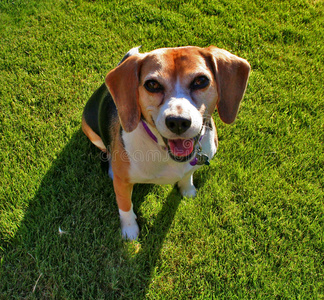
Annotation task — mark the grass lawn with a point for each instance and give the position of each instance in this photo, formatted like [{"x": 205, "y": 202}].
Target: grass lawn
[{"x": 256, "y": 228}]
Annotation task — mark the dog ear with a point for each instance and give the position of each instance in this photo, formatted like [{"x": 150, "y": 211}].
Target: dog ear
[
  {"x": 231, "y": 73},
  {"x": 122, "y": 83}
]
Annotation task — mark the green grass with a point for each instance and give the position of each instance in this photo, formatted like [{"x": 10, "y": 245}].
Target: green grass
[{"x": 256, "y": 228}]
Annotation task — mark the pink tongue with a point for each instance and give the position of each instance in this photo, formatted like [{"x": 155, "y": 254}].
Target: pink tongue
[{"x": 181, "y": 147}]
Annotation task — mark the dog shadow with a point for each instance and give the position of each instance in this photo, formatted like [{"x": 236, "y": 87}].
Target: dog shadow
[{"x": 69, "y": 242}]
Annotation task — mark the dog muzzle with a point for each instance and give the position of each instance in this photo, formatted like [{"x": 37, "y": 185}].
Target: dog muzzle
[{"x": 183, "y": 150}]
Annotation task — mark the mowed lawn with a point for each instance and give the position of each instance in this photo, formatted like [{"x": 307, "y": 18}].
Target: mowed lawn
[{"x": 255, "y": 229}]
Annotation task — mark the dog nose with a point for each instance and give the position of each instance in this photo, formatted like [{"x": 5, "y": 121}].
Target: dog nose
[{"x": 177, "y": 125}]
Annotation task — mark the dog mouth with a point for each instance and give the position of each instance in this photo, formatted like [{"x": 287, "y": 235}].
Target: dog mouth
[{"x": 181, "y": 150}]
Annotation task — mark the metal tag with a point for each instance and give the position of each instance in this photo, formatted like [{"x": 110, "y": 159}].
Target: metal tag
[{"x": 202, "y": 159}]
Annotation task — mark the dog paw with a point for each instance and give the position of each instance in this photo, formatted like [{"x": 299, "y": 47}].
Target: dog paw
[
  {"x": 130, "y": 231},
  {"x": 189, "y": 192},
  {"x": 129, "y": 227},
  {"x": 186, "y": 187}
]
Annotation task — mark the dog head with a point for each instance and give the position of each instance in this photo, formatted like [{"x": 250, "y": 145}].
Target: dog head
[{"x": 176, "y": 89}]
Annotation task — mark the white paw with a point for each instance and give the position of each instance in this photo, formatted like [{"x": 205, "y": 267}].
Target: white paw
[
  {"x": 189, "y": 192},
  {"x": 186, "y": 187},
  {"x": 130, "y": 232},
  {"x": 129, "y": 227}
]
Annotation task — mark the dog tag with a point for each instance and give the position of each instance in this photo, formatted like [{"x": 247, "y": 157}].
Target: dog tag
[{"x": 202, "y": 159}]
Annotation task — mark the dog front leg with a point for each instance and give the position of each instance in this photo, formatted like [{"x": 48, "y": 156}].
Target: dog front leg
[{"x": 123, "y": 191}]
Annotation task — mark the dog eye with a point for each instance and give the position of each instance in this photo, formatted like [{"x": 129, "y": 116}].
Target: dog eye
[
  {"x": 153, "y": 86},
  {"x": 199, "y": 82}
]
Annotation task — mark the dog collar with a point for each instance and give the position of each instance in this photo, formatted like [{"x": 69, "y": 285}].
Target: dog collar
[
  {"x": 199, "y": 159},
  {"x": 149, "y": 132}
]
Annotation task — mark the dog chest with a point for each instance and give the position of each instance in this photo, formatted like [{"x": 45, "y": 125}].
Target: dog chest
[{"x": 158, "y": 173}]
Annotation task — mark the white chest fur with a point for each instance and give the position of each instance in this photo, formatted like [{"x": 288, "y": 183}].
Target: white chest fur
[{"x": 150, "y": 162}]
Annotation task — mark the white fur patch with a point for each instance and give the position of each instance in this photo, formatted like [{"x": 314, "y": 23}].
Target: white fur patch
[{"x": 129, "y": 227}]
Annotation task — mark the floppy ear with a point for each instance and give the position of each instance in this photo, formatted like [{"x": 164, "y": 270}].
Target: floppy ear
[
  {"x": 122, "y": 83},
  {"x": 231, "y": 73}
]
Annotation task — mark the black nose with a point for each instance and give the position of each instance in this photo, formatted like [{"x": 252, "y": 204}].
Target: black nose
[{"x": 177, "y": 125}]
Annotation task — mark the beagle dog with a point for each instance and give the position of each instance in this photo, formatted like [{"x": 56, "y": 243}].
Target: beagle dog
[{"x": 153, "y": 117}]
